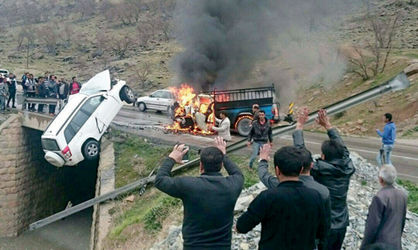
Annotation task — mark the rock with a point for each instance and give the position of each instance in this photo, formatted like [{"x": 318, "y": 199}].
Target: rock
[
  {"x": 14, "y": 56},
  {"x": 244, "y": 246},
  {"x": 316, "y": 93},
  {"x": 363, "y": 187},
  {"x": 242, "y": 203},
  {"x": 360, "y": 122},
  {"x": 68, "y": 59},
  {"x": 411, "y": 69},
  {"x": 130, "y": 198},
  {"x": 97, "y": 53}
]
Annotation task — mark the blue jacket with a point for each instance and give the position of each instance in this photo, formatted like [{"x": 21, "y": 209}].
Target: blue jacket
[{"x": 389, "y": 134}]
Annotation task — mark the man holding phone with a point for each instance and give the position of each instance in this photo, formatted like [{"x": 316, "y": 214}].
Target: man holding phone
[{"x": 208, "y": 200}]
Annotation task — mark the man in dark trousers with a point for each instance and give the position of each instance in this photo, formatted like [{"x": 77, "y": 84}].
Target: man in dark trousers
[
  {"x": 260, "y": 134},
  {"x": 292, "y": 215},
  {"x": 12, "y": 83},
  {"x": 388, "y": 140},
  {"x": 52, "y": 93},
  {"x": 42, "y": 91},
  {"x": 307, "y": 163},
  {"x": 63, "y": 90},
  {"x": 334, "y": 171},
  {"x": 387, "y": 212},
  {"x": 208, "y": 200}
]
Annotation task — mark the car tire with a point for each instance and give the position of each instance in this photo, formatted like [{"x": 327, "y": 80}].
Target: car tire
[
  {"x": 142, "y": 107},
  {"x": 244, "y": 125},
  {"x": 91, "y": 150},
  {"x": 127, "y": 95}
]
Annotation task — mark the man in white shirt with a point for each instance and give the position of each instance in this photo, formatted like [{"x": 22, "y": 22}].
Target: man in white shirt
[{"x": 223, "y": 127}]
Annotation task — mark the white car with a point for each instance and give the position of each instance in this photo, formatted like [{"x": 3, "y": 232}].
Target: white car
[
  {"x": 75, "y": 132},
  {"x": 160, "y": 100},
  {"x": 4, "y": 72}
]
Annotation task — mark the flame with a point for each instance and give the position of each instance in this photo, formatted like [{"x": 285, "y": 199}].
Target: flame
[{"x": 191, "y": 108}]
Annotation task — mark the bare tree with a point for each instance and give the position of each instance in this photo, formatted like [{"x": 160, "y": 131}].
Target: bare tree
[
  {"x": 121, "y": 45},
  {"x": 380, "y": 47},
  {"x": 143, "y": 73},
  {"x": 86, "y": 8},
  {"x": 66, "y": 35},
  {"x": 26, "y": 40},
  {"x": 359, "y": 62},
  {"x": 144, "y": 34},
  {"x": 48, "y": 35}
]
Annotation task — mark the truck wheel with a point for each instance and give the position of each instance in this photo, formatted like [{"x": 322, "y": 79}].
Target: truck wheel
[
  {"x": 91, "y": 149},
  {"x": 126, "y": 94},
  {"x": 142, "y": 107},
  {"x": 244, "y": 125}
]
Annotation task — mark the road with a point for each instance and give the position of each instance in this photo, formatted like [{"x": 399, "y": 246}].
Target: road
[{"x": 150, "y": 124}]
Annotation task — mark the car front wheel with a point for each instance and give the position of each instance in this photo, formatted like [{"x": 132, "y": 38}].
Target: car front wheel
[
  {"x": 91, "y": 150},
  {"x": 126, "y": 94},
  {"x": 142, "y": 106}
]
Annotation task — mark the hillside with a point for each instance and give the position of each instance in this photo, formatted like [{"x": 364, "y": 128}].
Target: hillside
[{"x": 135, "y": 40}]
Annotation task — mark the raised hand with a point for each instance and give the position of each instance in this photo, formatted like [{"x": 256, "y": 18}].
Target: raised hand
[
  {"x": 178, "y": 152},
  {"x": 302, "y": 117},
  {"x": 323, "y": 119},
  {"x": 220, "y": 144},
  {"x": 265, "y": 152}
]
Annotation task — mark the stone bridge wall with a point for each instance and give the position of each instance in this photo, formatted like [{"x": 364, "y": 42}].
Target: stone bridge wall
[{"x": 30, "y": 188}]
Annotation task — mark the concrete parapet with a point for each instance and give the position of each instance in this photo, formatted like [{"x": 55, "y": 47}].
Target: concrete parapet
[{"x": 104, "y": 184}]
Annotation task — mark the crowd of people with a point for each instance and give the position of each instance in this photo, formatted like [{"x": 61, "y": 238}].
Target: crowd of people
[
  {"x": 47, "y": 86},
  {"x": 304, "y": 205}
]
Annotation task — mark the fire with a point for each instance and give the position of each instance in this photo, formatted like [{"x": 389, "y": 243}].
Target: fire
[{"x": 193, "y": 113}]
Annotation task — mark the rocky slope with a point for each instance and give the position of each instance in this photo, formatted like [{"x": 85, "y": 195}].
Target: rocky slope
[{"x": 363, "y": 186}]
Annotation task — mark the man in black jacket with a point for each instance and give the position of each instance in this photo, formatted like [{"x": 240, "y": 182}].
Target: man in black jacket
[
  {"x": 292, "y": 215},
  {"x": 334, "y": 171},
  {"x": 260, "y": 134},
  {"x": 12, "y": 90},
  {"x": 271, "y": 182},
  {"x": 208, "y": 200}
]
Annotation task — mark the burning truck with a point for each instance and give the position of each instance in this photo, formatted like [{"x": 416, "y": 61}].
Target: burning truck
[{"x": 195, "y": 113}]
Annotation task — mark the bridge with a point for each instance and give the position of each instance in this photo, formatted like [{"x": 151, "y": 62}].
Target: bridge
[{"x": 37, "y": 121}]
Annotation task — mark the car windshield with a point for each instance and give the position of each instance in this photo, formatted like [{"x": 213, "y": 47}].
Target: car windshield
[{"x": 100, "y": 82}]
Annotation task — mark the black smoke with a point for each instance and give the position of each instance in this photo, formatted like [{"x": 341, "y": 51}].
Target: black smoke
[{"x": 223, "y": 40}]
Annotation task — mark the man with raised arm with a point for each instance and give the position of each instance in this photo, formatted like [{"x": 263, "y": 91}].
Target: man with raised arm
[
  {"x": 292, "y": 216},
  {"x": 334, "y": 171},
  {"x": 208, "y": 200},
  {"x": 271, "y": 181}
]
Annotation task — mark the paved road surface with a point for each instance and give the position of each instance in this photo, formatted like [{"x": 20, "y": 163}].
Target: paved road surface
[{"x": 404, "y": 156}]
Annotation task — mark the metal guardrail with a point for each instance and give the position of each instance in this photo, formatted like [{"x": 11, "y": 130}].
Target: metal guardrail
[{"x": 397, "y": 83}]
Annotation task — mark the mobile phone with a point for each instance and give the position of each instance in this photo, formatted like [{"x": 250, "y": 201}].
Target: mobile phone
[{"x": 185, "y": 156}]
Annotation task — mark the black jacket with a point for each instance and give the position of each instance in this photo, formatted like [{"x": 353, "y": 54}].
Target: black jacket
[
  {"x": 271, "y": 181},
  {"x": 335, "y": 175},
  {"x": 260, "y": 133},
  {"x": 42, "y": 90},
  {"x": 52, "y": 89},
  {"x": 292, "y": 216},
  {"x": 66, "y": 90},
  {"x": 12, "y": 85},
  {"x": 208, "y": 202}
]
